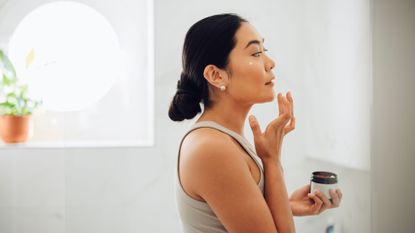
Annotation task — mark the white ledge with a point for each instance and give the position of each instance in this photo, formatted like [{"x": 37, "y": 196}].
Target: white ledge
[{"x": 89, "y": 144}]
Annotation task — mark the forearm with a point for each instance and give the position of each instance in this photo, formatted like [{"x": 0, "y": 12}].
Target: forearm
[{"x": 276, "y": 197}]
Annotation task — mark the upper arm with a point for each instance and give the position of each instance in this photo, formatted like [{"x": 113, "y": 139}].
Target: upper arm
[{"x": 222, "y": 178}]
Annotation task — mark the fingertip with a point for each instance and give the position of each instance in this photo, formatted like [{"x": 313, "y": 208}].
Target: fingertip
[
  {"x": 290, "y": 96},
  {"x": 334, "y": 193},
  {"x": 251, "y": 121}
]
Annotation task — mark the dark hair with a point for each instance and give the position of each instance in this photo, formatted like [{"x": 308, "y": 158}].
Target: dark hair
[{"x": 208, "y": 41}]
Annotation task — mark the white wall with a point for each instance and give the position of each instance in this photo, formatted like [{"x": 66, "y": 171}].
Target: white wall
[
  {"x": 132, "y": 189},
  {"x": 393, "y": 160}
]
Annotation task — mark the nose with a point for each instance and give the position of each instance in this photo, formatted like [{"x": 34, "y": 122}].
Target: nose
[{"x": 270, "y": 64}]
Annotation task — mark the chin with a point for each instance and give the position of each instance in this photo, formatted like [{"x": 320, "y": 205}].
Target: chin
[
  {"x": 267, "y": 99},
  {"x": 271, "y": 97}
]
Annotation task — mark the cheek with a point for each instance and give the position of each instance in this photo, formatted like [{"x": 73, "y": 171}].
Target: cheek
[
  {"x": 250, "y": 78},
  {"x": 253, "y": 71},
  {"x": 249, "y": 74}
]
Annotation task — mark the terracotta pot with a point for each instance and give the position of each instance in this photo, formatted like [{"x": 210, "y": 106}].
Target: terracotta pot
[{"x": 14, "y": 129}]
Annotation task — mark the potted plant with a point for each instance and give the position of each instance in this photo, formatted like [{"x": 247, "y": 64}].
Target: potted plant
[{"x": 16, "y": 107}]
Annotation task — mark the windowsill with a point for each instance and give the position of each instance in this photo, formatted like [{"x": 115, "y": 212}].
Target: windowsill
[{"x": 61, "y": 145}]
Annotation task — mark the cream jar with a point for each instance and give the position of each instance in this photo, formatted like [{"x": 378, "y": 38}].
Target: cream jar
[{"x": 323, "y": 181}]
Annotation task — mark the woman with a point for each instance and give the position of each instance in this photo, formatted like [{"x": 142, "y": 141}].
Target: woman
[{"x": 224, "y": 185}]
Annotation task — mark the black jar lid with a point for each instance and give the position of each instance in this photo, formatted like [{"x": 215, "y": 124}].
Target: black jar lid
[{"x": 324, "y": 177}]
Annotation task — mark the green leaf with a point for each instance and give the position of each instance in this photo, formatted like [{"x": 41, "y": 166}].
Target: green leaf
[
  {"x": 23, "y": 91},
  {"x": 6, "y": 108},
  {"x": 7, "y": 63},
  {"x": 17, "y": 101},
  {"x": 11, "y": 95},
  {"x": 5, "y": 105}
]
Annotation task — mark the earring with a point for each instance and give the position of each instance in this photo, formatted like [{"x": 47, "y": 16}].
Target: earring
[{"x": 222, "y": 88}]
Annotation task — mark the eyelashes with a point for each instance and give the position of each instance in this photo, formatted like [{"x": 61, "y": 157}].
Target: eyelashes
[{"x": 257, "y": 54}]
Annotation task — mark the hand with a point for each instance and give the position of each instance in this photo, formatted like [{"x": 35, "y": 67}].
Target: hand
[
  {"x": 268, "y": 143},
  {"x": 304, "y": 203}
]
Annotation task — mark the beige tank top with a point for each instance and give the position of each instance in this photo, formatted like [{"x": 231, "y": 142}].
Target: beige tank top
[{"x": 197, "y": 216}]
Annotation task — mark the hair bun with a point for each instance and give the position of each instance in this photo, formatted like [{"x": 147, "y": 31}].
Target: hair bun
[{"x": 186, "y": 101}]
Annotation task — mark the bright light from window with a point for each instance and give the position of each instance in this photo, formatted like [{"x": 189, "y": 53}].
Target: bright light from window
[{"x": 68, "y": 53}]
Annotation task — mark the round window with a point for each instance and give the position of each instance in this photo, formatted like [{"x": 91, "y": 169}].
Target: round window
[{"x": 67, "y": 53}]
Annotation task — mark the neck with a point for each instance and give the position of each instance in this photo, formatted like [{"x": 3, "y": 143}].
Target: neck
[{"x": 228, "y": 114}]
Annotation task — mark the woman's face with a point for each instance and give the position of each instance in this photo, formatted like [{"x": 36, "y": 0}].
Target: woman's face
[{"x": 251, "y": 69}]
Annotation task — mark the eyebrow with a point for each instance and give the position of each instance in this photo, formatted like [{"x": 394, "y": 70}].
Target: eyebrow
[{"x": 254, "y": 42}]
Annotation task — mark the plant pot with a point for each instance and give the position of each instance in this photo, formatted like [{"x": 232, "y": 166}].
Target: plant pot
[{"x": 14, "y": 129}]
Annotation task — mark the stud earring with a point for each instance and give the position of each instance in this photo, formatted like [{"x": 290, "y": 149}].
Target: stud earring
[{"x": 222, "y": 88}]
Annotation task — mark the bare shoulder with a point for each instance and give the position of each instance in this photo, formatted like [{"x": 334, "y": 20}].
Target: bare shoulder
[
  {"x": 207, "y": 145},
  {"x": 207, "y": 153},
  {"x": 206, "y": 139}
]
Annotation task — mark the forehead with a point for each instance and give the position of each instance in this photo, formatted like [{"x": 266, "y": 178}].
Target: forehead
[{"x": 245, "y": 34}]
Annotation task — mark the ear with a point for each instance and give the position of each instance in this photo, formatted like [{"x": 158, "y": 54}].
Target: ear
[{"x": 215, "y": 76}]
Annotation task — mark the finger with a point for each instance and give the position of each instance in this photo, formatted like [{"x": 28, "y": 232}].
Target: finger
[
  {"x": 339, "y": 192},
  {"x": 325, "y": 200},
  {"x": 317, "y": 200},
  {"x": 326, "y": 204},
  {"x": 286, "y": 111},
  {"x": 280, "y": 104},
  {"x": 290, "y": 99},
  {"x": 317, "y": 203},
  {"x": 306, "y": 188},
  {"x": 303, "y": 190},
  {"x": 256, "y": 130},
  {"x": 291, "y": 126},
  {"x": 280, "y": 122},
  {"x": 288, "y": 104},
  {"x": 334, "y": 197}
]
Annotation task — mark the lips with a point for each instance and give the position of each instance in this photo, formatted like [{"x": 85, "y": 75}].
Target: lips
[{"x": 270, "y": 82}]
